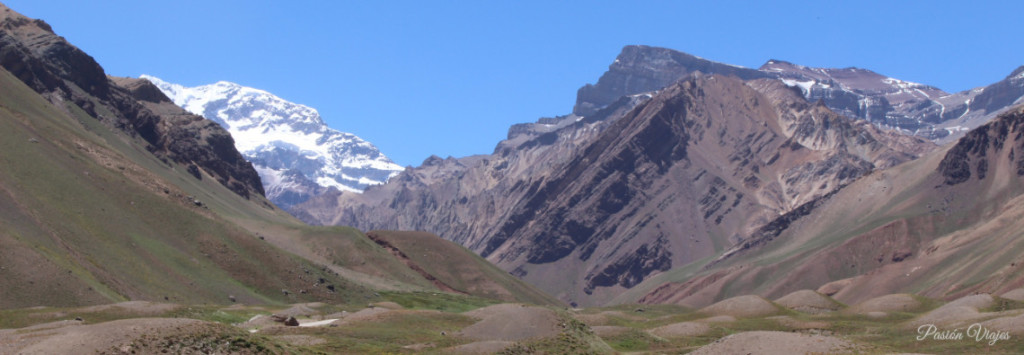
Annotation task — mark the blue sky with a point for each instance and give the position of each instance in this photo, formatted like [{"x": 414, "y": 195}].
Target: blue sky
[{"x": 449, "y": 77}]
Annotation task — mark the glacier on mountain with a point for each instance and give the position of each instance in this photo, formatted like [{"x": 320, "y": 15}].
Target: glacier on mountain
[{"x": 296, "y": 154}]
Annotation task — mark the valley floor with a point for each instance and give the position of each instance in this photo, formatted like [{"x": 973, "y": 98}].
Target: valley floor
[{"x": 400, "y": 322}]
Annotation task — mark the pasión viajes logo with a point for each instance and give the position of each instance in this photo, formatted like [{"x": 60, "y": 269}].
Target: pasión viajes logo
[{"x": 976, "y": 331}]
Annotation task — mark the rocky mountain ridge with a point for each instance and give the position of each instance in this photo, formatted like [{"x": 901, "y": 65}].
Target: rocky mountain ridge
[
  {"x": 296, "y": 154},
  {"x": 67, "y": 76},
  {"x": 890, "y": 103}
]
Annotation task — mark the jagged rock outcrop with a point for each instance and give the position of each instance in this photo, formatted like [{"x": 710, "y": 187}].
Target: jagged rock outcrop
[
  {"x": 66, "y": 75},
  {"x": 641, "y": 69},
  {"x": 973, "y": 154}
]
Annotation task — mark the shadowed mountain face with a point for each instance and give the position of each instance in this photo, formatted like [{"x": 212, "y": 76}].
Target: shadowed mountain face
[
  {"x": 64, "y": 74},
  {"x": 597, "y": 205}
]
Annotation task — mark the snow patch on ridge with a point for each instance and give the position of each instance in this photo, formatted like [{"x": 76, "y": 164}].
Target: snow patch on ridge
[{"x": 805, "y": 86}]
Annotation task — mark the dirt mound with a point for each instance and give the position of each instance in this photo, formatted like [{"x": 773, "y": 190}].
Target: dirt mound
[
  {"x": 1013, "y": 324},
  {"x": 719, "y": 319},
  {"x": 300, "y": 310},
  {"x": 978, "y": 301},
  {"x": 512, "y": 322},
  {"x": 258, "y": 322},
  {"x": 365, "y": 314},
  {"x": 782, "y": 343},
  {"x": 481, "y": 347},
  {"x": 808, "y": 301},
  {"x": 900, "y": 302},
  {"x": 679, "y": 330},
  {"x": 961, "y": 310},
  {"x": 1016, "y": 295},
  {"x": 140, "y": 335},
  {"x": 742, "y": 306}
]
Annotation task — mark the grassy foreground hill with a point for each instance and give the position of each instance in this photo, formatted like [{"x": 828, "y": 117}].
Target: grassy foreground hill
[{"x": 86, "y": 221}]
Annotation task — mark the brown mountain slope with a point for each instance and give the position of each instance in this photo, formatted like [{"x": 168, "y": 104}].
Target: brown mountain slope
[
  {"x": 596, "y": 205},
  {"x": 943, "y": 226},
  {"x": 700, "y": 166},
  {"x": 462, "y": 199}
]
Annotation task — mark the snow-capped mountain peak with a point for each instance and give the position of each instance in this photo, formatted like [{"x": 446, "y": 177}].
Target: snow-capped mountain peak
[{"x": 295, "y": 152}]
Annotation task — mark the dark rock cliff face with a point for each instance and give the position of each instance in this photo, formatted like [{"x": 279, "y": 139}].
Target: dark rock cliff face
[
  {"x": 985, "y": 146},
  {"x": 61, "y": 72},
  {"x": 190, "y": 139}
]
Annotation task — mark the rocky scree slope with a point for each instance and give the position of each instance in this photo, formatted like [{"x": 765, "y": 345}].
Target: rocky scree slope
[
  {"x": 648, "y": 183},
  {"x": 64, "y": 74},
  {"x": 296, "y": 154}
]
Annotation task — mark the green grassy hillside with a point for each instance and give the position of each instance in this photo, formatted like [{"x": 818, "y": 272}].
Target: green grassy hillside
[{"x": 90, "y": 218}]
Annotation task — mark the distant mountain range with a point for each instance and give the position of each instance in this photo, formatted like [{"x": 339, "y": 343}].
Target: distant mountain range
[
  {"x": 296, "y": 154},
  {"x": 912, "y": 108}
]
